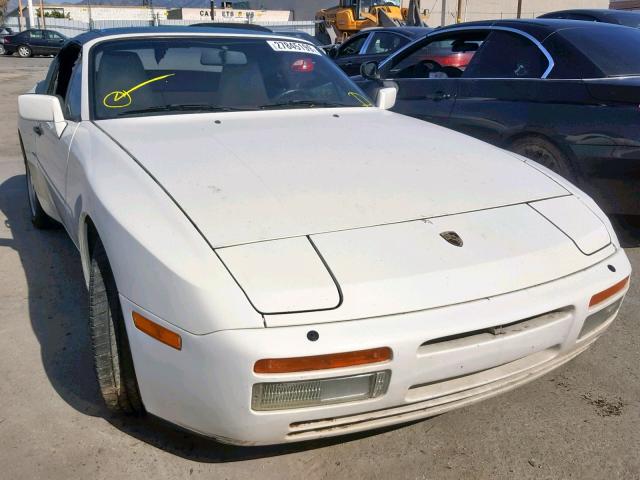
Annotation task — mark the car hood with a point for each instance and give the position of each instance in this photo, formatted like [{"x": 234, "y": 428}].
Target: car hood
[{"x": 248, "y": 177}]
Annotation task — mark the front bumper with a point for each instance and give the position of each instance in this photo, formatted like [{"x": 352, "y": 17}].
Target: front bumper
[{"x": 206, "y": 387}]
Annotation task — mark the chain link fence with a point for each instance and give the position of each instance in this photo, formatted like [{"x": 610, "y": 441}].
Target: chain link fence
[{"x": 71, "y": 28}]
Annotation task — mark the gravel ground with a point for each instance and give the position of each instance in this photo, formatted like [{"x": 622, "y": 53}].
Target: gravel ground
[{"x": 581, "y": 421}]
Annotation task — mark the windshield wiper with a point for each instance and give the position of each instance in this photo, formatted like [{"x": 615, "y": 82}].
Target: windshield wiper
[
  {"x": 303, "y": 104},
  {"x": 196, "y": 107}
]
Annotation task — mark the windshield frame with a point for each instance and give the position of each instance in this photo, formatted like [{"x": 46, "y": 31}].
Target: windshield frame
[{"x": 98, "y": 43}]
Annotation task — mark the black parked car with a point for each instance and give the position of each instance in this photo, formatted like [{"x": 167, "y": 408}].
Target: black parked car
[
  {"x": 373, "y": 44},
  {"x": 34, "y": 42},
  {"x": 618, "y": 17},
  {"x": 564, "y": 93}
]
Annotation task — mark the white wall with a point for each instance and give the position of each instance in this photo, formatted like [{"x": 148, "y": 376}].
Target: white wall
[
  {"x": 80, "y": 13},
  {"x": 230, "y": 15}
]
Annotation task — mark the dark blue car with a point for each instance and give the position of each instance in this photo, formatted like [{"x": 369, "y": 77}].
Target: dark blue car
[{"x": 32, "y": 42}]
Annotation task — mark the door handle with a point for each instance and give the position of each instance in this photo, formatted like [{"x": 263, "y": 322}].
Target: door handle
[
  {"x": 439, "y": 95},
  {"x": 38, "y": 130}
]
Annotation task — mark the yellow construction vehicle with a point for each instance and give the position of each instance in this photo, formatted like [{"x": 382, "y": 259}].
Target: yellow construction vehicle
[{"x": 335, "y": 24}]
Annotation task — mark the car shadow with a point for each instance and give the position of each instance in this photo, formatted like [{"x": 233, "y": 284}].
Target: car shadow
[
  {"x": 627, "y": 228},
  {"x": 57, "y": 300}
]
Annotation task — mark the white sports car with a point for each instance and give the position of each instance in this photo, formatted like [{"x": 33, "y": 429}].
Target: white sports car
[{"x": 270, "y": 257}]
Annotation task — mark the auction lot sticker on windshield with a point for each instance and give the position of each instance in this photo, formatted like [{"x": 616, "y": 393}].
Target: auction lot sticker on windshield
[{"x": 284, "y": 46}]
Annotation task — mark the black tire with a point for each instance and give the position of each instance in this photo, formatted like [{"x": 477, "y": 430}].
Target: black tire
[
  {"x": 39, "y": 217},
  {"x": 545, "y": 153},
  {"x": 112, "y": 357},
  {"x": 3, "y": 51},
  {"x": 25, "y": 51}
]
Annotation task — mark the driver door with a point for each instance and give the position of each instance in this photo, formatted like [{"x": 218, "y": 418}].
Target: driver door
[
  {"x": 53, "y": 41},
  {"x": 348, "y": 55},
  {"x": 52, "y": 151},
  {"x": 428, "y": 74}
]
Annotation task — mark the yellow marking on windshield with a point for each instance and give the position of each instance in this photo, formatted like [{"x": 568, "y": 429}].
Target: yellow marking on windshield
[
  {"x": 122, "y": 98},
  {"x": 363, "y": 101}
]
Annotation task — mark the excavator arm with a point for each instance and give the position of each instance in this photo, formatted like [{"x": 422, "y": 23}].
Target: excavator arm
[{"x": 336, "y": 24}]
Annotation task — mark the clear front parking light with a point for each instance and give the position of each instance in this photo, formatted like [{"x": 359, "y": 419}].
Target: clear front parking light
[{"x": 310, "y": 393}]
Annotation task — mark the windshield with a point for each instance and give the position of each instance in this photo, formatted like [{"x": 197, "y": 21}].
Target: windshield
[
  {"x": 163, "y": 76},
  {"x": 366, "y": 5}
]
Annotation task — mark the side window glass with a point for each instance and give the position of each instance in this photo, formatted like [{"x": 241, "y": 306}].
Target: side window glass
[
  {"x": 50, "y": 79},
  {"x": 352, "y": 47},
  {"x": 74, "y": 92},
  {"x": 61, "y": 78},
  {"x": 385, "y": 42},
  {"x": 35, "y": 34},
  {"x": 52, "y": 35},
  {"x": 444, "y": 57},
  {"x": 507, "y": 55}
]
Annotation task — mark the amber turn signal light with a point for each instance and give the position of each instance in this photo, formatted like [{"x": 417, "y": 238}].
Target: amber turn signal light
[
  {"x": 609, "y": 292},
  {"x": 156, "y": 331},
  {"x": 323, "y": 362}
]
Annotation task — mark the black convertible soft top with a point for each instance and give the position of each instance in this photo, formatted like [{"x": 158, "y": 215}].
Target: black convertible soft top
[{"x": 539, "y": 28}]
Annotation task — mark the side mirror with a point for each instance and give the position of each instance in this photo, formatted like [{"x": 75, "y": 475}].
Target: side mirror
[
  {"x": 333, "y": 51},
  {"x": 369, "y": 70},
  {"x": 42, "y": 108},
  {"x": 386, "y": 98}
]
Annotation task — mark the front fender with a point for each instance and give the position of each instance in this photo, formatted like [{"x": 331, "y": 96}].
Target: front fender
[{"x": 159, "y": 259}]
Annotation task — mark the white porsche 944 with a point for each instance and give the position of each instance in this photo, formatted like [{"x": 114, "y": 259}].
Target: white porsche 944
[{"x": 271, "y": 256}]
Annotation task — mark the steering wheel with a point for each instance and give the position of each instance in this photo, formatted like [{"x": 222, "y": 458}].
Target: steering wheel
[
  {"x": 431, "y": 65},
  {"x": 287, "y": 94},
  {"x": 426, "y": 67}
]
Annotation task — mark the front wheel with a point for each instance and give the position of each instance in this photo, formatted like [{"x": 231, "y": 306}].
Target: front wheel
[
  {"x": 111, "y": 353},
  {"x": 24, "y": 51},
  {"x": 3, "y": 51},
  {"x": 546, "y": 154}
]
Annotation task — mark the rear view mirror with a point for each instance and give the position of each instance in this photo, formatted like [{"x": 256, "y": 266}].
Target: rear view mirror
[
  {"x": 386, "y": 98},
  {"x": 463, "y": 47},
  {"x": 42, "y": 108},
  {"x": 369, "y": 70},
  {"x": 218, "y": 57}
]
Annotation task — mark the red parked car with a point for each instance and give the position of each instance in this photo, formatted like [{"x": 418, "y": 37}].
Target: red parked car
[{"x": 453, "y": 54}]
